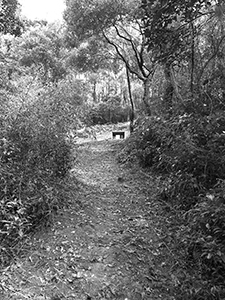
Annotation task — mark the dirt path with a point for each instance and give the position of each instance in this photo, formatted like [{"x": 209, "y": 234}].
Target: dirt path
[{"x": 106, "y": 245}]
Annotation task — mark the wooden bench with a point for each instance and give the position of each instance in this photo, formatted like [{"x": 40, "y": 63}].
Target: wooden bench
[{"x": 121, "y": 134}]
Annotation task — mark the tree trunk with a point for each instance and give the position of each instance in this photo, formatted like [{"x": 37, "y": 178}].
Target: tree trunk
[
  {"x": 94, "y": 92},
  {"x": 146, "y": 95},
  {"x": 175, "y": 87},
  {"x": 168, "y": 89},
  {"x": 192, "y": 58},
  {"x": 131, "y": 101}
]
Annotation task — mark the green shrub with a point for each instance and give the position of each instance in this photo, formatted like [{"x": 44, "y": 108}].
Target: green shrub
[
  {"x": 188, "y": 153},
  {"x": 142, "y": 145},
  {"x": 31, "y": 166},
  {"x": 188, "y": 149},
  {"x": 203, "y": 238},
  {"x": 34, "y": 160},
  {"x": 182, "y": 190}
]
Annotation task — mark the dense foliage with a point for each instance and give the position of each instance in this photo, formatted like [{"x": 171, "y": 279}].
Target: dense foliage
[
  {"x": 39, "y": 105},
  {"x": 188, "y": 153},
  {"x": 35, "y": 158},
  {"x": 187, "y": 148},
  {"x": 184, "y": 144},
  {"x": 9, "y": 19},
  {"x": 168, "y": 26}
]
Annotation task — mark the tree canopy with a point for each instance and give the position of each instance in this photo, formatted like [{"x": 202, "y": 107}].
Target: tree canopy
[
  {"x": 168, "y": 25},
  {"x": 9, "y": 17},
  {"x": 119, "y": 23}
]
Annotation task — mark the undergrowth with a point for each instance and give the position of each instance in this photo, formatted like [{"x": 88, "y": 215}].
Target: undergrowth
[
  {"x": 34, "y": 162},
  {"x": 188, "y": 153}
]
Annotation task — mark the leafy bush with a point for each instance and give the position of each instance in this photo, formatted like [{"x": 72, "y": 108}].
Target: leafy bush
[
  {"x": 203, "y": 238},
  {"x": 188, "y": 149},
  {"x": 188, "y": 153},
  {"x": 31, "y": 166},
  {"x": 34, "y": 160}
]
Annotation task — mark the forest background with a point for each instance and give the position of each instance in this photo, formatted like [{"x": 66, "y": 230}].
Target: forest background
[{"x": 159, "y": 64}]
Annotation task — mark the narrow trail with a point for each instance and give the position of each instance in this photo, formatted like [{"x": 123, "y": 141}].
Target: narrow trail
[{"x": 105, "y": 245}]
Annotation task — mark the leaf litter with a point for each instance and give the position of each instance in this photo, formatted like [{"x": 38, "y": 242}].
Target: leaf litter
[{"x": 107, "y": 244}]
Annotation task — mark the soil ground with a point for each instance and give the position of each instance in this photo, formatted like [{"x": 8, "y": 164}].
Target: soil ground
[{"x": 105, "y": 245}]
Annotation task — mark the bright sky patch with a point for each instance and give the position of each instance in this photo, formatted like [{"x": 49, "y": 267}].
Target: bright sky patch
[{"x": 50, "y": 10}]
